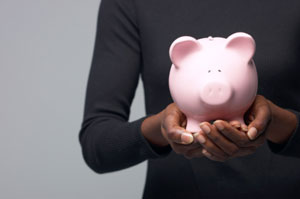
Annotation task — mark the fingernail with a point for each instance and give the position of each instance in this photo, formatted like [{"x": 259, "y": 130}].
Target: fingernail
[
  {"x": 205, "y": 152},
  {"x": 201, "y": 138},
  {"x": 252, "y": 133},
  {"x": 196, "y": 134},
  {"x": 237, "y": 125},
  {"x": 187, "y": 138},
  {"x": 205, "y": 128},
  {"x": 244, "y": 127},
  {"x": 219, "y": 126}
]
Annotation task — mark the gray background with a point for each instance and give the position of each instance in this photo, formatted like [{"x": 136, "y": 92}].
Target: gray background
[{"x": 46, "y": 49}]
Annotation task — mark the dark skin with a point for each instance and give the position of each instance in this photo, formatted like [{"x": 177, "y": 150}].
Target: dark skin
[
  {"x": 224, "y": 139},
  {"x": 234, "y": 141}
]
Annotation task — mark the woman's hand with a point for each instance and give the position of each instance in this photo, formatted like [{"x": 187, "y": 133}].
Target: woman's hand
[
  {"x": 284, "y": 123},
  {"x": 223, "y": 141},
  {"x": 265, "y": 121},
  {"x": 173, "y": 124},
  {"x": 232, "y": 138},
  {"x": 276, "y": 123},
  {"x": 168, "y": 128},
  {"x": 259, "y": 115}
]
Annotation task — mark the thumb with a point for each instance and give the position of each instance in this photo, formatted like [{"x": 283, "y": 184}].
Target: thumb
[
  {"x": 181, "y": 136},
  {"x": 259, "y": 124}
]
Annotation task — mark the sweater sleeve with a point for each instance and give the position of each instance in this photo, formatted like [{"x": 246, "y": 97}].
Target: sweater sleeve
[
  {"x": 291, "y": 147},
  {"x": 108, "y": 141}
]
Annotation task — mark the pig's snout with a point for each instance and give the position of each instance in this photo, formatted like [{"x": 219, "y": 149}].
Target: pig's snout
[{"x": 216, "y": 93}]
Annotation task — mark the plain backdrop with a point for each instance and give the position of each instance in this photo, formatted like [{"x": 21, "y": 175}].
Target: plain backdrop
[{"x": 46, "y": 48}]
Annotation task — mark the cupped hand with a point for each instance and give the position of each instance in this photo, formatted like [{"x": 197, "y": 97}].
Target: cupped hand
[
  {"x": 259, "y": 115},
  {"x": 223, "y": 140},
  {"x": 173, "y": 129}
]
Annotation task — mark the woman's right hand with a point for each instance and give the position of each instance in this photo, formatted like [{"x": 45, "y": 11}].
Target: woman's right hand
[{"x": 173, "y": 123}]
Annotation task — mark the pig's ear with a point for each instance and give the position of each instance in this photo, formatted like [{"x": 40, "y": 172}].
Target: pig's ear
[
  {"x": 243, "y": 44},
  {"x": 182, "y": 48}
]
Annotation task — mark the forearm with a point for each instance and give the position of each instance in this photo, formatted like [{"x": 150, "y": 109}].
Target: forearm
[
  {"x": 151, "y": 130},
  {"x": 282, "y": 125},
  {"x": 109, "y": 144}
]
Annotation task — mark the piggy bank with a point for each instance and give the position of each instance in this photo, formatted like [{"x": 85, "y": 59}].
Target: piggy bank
[{"x": 213, "y": 78}]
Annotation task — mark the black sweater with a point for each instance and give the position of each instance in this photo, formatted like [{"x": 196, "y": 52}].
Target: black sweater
[{"x": 133, "y": 38}]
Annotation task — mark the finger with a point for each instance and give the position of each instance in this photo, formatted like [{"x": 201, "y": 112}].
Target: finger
[
  {"x": 183, "y": 124},
  {"x": 195, "y": 153},
  {"x": 251, "y": 118},
  {"x": 212, "y": 157},
  {"x": 244, "y": 127},
  {"x": 223, "y": 143},
  {"x": 180, "y": 136},
  {"x": 261, "y": 116},
  {"x": 182, "y": 148},
  {"x": 235, "y": 124},
  {"x": 237, "y": 137},
  {"x": 238, "y": 125},
  {"x": 244, "y": 151},
  {"x": 209, "y": 145},
  {"x": 260, "y": 140},
  {"x": 248, "y": 116},
  {"x": 174, "y": 132},
  {"x": 258, "y": 125}
]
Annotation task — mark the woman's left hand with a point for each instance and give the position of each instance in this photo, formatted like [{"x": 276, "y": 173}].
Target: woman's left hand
[{"x": 234, "y": 141}]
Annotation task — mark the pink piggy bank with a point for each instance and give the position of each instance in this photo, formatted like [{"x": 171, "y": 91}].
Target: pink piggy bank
[{"x": 213, "y": 78}]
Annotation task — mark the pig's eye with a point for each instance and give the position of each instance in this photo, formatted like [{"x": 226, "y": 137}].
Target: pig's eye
[
  {"x": 209, "y": 71},
  {"x": 219, "y": 70}
]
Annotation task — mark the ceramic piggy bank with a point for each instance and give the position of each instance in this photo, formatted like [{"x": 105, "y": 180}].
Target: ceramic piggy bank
[{"x": 213, "y": 78}]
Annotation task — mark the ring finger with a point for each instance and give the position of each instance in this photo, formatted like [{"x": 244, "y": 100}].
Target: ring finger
[
  {"x": 209, "y": 145},
  {"x": 217, "y": 138}
]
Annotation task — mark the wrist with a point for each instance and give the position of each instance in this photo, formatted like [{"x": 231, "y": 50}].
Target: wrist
[
  {"x": 282, "y": 125},
  {"x": 151, "y": 130}
]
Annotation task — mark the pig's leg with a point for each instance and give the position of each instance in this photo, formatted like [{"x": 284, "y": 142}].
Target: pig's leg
[{"x": 192, "y": 125}]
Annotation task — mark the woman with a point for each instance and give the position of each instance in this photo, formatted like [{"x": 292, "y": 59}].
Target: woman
[{"x": 133, "y": 38}]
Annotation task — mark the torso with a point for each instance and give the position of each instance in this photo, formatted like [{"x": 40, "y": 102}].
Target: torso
[{"x": 275, "y": 26}]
